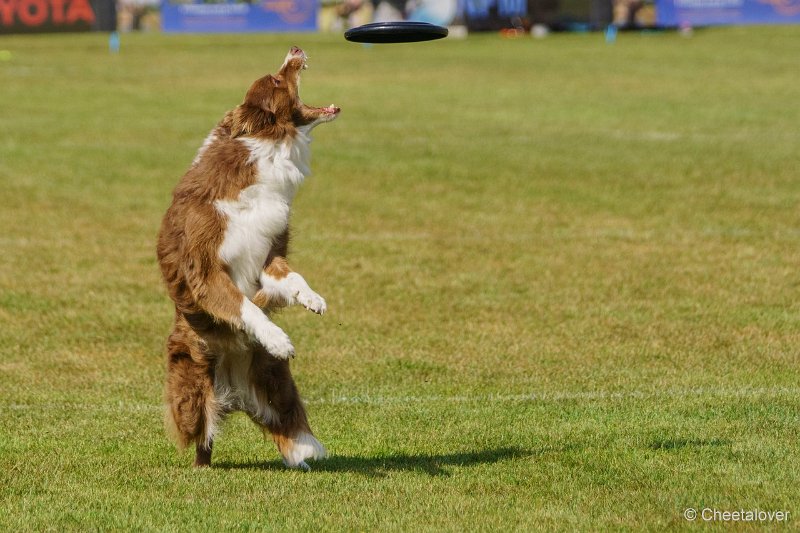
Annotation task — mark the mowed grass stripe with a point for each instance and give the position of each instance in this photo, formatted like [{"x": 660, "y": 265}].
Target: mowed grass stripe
[{"x": 534, "y": 397}]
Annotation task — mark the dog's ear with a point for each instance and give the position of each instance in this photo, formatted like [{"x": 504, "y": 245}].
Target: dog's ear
[{"x": 249, "y": 120}]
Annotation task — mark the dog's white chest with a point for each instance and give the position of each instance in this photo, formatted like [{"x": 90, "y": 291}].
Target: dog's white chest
[{"x": 261, "y": 211}]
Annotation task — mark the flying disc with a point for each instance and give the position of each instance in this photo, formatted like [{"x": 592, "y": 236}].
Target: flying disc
[{"x": 395, "y": 32}]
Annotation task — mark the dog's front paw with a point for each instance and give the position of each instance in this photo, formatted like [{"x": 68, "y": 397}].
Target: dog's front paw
[
  {"x": 276, "y": 342},
  {"x": 312, "y": 301},
  {"x": 304, "y": 295}
]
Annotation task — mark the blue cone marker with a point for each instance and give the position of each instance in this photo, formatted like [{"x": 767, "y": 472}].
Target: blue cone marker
[
  {"x": 113, "y": 42},
  {"x": 611, "y": 34}
]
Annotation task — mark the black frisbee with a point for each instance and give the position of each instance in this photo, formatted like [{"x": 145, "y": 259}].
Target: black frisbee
[{"x": 395, "y": 32}]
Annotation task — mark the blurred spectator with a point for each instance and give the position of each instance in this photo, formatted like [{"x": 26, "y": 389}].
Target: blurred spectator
[
  {"x": 339, "y": 15},
  {"x": 634, "y": 13},
  {"x": 135, "y": 15},
  {"x": 390, "y": 10}
]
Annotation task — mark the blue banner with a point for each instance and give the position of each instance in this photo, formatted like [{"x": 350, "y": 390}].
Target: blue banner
[
  {"x": 498, "y": 8},
  {"x": 715, "y": 12},
  {"x": 231, "y": 16}
]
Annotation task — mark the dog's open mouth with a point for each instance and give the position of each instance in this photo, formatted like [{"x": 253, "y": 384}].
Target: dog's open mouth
[
  {"x": 328, "y": 111},
  {"x": 296, "y": 52},
  {"x": 296, "y": 61}
]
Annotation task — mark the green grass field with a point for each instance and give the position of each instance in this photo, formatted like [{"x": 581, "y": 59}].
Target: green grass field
[{"x": 562, "y": 281}]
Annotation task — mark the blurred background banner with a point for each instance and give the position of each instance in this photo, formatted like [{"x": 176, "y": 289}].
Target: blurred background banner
[
  {"x": 713, "y": 12},
  {"x": 40, "y": 16},
  {"x": 238, "y": 16},
  {"x": 522, "y": 15}
]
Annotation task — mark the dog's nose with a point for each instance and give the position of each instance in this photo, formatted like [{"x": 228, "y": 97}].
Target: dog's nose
[{"x": 295, "y": 51}]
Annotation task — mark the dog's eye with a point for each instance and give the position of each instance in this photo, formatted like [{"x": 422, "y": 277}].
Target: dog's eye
[{"x": 276, "y": 81}]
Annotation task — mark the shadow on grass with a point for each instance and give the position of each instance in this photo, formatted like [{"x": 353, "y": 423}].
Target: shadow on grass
[
  {"x": 433, "y": 465},
  {"x": 676, "y": 444}
]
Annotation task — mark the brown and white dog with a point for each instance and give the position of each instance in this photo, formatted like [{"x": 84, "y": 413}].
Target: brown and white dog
[{"x": 222, "y": 250}]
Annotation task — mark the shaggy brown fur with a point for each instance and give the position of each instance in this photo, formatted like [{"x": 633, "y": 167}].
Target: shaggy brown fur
[{"x": 207, "y": 342}]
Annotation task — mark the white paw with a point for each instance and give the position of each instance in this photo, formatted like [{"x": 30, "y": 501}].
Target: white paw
[
  {"x": 276, "y": 342},
  {"x": 304, "y": 446},
  {"x": 303, "y": 294},
  {"x": 302, "y": 465},
  {"x": 311, "y": 301}
]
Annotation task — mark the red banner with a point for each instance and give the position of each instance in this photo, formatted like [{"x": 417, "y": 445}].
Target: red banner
[{"x": 27, "y": 16}]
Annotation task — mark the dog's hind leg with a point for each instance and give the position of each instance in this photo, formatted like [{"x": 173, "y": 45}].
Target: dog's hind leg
[
  {"x": 281, "y": 412},
  {"x": 203, "y": 453},
  {"x": 191, "y": 410}
]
